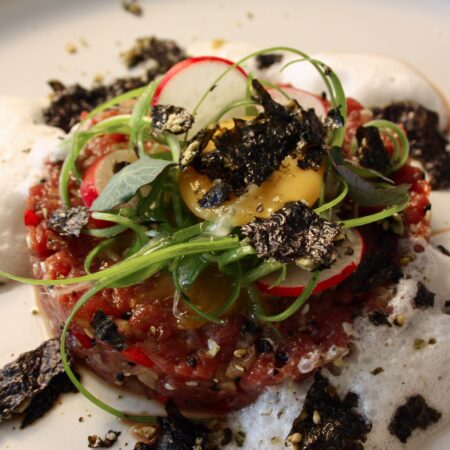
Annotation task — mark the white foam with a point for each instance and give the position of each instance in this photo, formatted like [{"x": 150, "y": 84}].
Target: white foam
[
  {"x": 374, "y": 80},
  {"x": 406, "y": 371},
  {"x": 24, "y": 145}
]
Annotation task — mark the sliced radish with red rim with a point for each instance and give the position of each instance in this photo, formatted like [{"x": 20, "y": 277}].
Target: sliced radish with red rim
[
  {"x": 186, "y": 82},
  {"x": 350, "y": 254},
  {"x": 97, "y": 176}
]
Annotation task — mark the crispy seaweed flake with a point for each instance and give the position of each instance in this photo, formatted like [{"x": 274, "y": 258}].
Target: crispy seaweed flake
[
  {"x": 268, "y": 60},
  {"x": 106, "y": 330},
  {"x": 33, "y": 382},
  {"x": 253, "y": 149},
  {"x": 217, "y": 195},
  {"x": 379, "y": 317},
  {"x": 68, "y": 102},
  {"x": 327, "y": 422},
  {"x": 69, "y": 221},
  {"x": 108, "y": 441},
  {"x": 415, "y": 413},
  {"x": 177, "y": 433},
  {"x": 424, "y": 298},
  {"x": 195, "y": 146},
  {"x": 379, "y": 266},
  {"x": 427, "y": 143},
  {"x": 371, "y": 151},
  {"x": 294, "y": 233},
  {"x": 173, "y": 119},
  {"x": 334, "y": 119}
]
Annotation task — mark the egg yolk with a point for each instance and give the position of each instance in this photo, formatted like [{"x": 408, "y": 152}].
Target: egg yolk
[{"x": 288, "y": 183}]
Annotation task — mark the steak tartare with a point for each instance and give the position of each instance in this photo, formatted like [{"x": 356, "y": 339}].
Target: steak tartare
[{"x": 207, "y": 329}]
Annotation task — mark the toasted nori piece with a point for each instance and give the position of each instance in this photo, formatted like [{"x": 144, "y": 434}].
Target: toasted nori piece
[
  {"x": 379, "y": 317},
  {"x": 415, "y": 413},
  {"x": 379, "y": 265},
  {"x": 294, "y": 231},
  {"x": 177, "y": 432},
  {"x": 217, "y": 195},
  {"x": 164, "y": 52},
  {"x": 371, "y": 151},
  {"x": 267, "y": 60},
  {"x": 424, "y": 298},
  {"x": 173, "y": 119},
  {"x": 334, "y": 119},
  {"x": 327, "y": 422},
  {"x": 106, "y": 330},
  {"x": 33, "y": 382},
  {"x": 108, "y": 441},
  {"x": 253, "y": 149},
  {"x": 68, "y": 102},
  {"x": 427, "y": 143},
  {"x": 69, "y": 221}
]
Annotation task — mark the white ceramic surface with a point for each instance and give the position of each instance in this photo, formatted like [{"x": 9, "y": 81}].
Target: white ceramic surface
[{"x": 33, "y": 35}]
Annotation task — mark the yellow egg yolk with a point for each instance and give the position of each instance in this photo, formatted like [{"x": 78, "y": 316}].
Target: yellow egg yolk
[{"x": 288, "y": 183}]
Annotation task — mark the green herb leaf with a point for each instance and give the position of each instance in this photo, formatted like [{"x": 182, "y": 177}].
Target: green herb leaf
[
  {"x": 362, "y": 191},
  {"x": 189, "y": 269},
  {"x": 124, "y": 184}
]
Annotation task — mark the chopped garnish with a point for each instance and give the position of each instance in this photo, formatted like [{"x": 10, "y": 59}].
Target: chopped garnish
[
  {"x": 424, "y": 298},
  {"x": 413, "y": 414},
  {"x": 108, "y": 441},
  {"x": 267, "y": 60},
  {"x": 31, "y": 384},
  {"x": 371, "y": 151},
  {"x": 295, "y": 233},
  {"x": 328, "y": 422},
  {"x": 69, "y": 221},
  {"x": 172, "y": 119},
  {"x": 106, "y": 330}
]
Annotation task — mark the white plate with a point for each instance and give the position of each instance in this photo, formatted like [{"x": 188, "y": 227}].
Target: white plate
[{"x": 33, "y": 35}]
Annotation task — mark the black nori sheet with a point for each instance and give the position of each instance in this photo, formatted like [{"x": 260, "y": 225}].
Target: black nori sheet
[
  {"x": 253, "y": 149},
  {"x": 177, "y": 433},
  {"x": 106, "y": 330},
  {"x": 268, "y": 60},
  {"x": 427, "y": 143},
  {"x": 340, "y": 426},
  {"x": 294, "y": 231},
  {"x": 371, "y": 152},
  {"x": 424, "y": 298},
  {"x": 33, "y": 382},
  {"x": 68, "y": 102},
  {"x": 69, "y": 221},
  {"x": 413, "y": 414}
]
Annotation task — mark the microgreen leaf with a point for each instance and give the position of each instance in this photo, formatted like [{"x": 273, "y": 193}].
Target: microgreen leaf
[
  {"x": 362, "y": 191},
  {"x": 124, "y": 184}
]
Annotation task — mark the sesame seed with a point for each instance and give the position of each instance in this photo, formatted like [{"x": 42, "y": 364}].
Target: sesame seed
[
  {"x": 240, "y": 352},
  {"x": 296, "y": 438},
  {"x": 316, "y": 417}
]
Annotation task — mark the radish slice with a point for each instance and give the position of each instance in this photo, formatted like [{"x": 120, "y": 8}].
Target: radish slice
[
  {"x": 350, "y": 253},
  {"x": 99, "y": 174},
  {"x": 304, "y": 99},
  {"x": 186, "y": 83}
]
